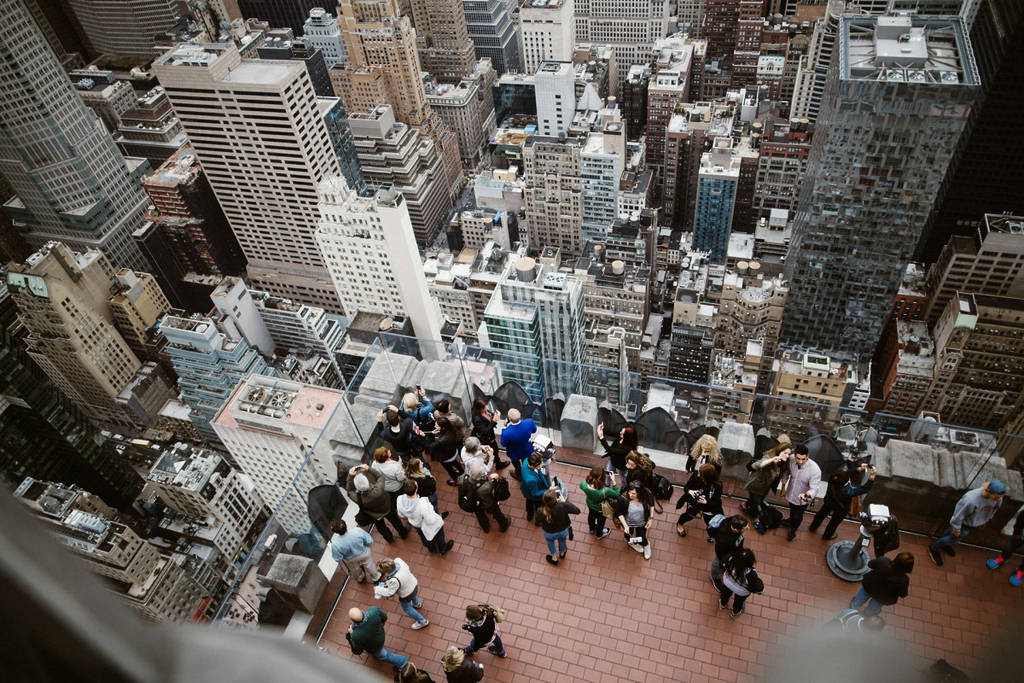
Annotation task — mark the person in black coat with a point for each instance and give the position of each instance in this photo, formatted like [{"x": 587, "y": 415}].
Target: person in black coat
[
  {"x": 483, "y": 626},
  {"x": 616, "y": 450},
  {"x": 458, "y": 668},
  {"x": 400, "y": 433},
  {"x": 838, "y": 499},
  {"x": 445, "y": 450},
  {"x": 702, "y": 496},
  {"x": 728, "y": 538},
  {"x": 484, "y": 423},
  {"x": 885, "y": 583}
]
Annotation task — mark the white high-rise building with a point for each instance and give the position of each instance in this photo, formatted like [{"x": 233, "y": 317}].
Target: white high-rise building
[
  {"x": 259, "y": 134},
  {"x": 629, "y": 28},
  {"x": 556, "y": 98},
  {"x": 370, "y": 251},
  {"x": 321, "y": 30},
  {"x": 546, "y": 29},
  {"x": 71, "y": 183},
  {"x": 270, "y": 426}
]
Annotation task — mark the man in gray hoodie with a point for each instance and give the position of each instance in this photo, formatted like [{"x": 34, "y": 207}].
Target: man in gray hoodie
[{"x": 974, "y": 510}]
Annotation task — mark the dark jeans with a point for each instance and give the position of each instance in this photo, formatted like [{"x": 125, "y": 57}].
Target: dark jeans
[
  {"x": 1013, "y": 546},
  {"x": 437, "y": 544},
  {"x": 595, "y": 520},
  {"x": 796, "y": 516},
  {"x": 517, "y": 465},
  {"x": 454, "y": 468},
  {"x": 691, "y": 512},
  {"x": 474, "y": 646},
  {"x": 499, "y": 517},
  {"x": 754, "y": 503},
  {"x": 637, "y": 532},
  {"x": 838, "y": 514},
  {"x": 948, "y": 540},
  {"x": 531, "y": 507},
  {"x": 737, "y": 603},
  {"x": 396, "y": 522}
]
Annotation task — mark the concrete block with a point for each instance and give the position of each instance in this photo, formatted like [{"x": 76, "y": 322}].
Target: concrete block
[
  {"x": 579, "y": 422},
  {"x": 736, "y": 441},
  {"x": 298, "y": 579}
]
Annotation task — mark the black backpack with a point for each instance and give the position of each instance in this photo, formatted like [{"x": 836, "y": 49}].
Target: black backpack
[
  {"x": 770, "y": 517},
  {"x": 468, "y": 499}
]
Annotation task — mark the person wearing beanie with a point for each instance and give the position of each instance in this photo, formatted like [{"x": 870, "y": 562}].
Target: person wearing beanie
[
  {"x": 1016, "y": 541},
  {"x": 975, "y": 509},
  {"x": 366, "y": 488}
]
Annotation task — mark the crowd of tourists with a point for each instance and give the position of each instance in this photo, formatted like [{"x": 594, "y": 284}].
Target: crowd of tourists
[{"x": 398, "y": 492}]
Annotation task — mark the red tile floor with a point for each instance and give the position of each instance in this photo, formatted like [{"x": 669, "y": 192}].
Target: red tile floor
[{"x": 606, "y": 614}]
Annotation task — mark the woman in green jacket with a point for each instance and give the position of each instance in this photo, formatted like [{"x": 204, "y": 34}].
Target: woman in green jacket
[{"x": 597, "y": 490}]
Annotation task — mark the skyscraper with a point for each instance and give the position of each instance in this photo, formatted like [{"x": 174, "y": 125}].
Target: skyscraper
[
  {"x": 546, "y": 32},
  {"x": 186, "y": 211},
  {"x": 556, "y": 98},
  {"x": 717, "y": 182},
  {"x": 62, "y": 300},
  {"x": 537, "y": 312},
  {"x": 371, "y": 253},
  {"x": 442, "y": 38},
  {"x": 893, "y": 114},
  {"x": 44, "y": 434},
  {"x": 383, "y": 67},
  {"x": 321, "y": 31},
  {"x": 628, "y": 27},
  {"x": 283, "y": 13},
  {"x": 209, "y": 363},
  {"x": 554, "y": 200},
  {"x": 272, "y": 428},
  {"x": 990, "y": 170},
  {"x": 257, "y": 128},
  {"x": 395, "y": 155},
  {"x": 494, "y": 34},
  {"x": 123, "y": 27},
  {"x": 70, "y": 181}
]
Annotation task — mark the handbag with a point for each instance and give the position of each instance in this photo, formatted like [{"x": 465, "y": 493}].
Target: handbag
[
  {"x": 500, "y": 490},
  {"x": 608, "y": 510}
]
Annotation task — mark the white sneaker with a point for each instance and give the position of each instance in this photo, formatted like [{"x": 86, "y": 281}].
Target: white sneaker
[
  {"x": 420, "y": 624},
  {"x": 647, "y": 551}
]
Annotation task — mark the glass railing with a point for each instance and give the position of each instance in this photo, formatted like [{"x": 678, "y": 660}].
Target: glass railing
[{"x": 923, "y": 466}]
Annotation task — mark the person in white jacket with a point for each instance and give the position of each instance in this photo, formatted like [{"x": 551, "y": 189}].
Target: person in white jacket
[
  {"x": 422, "y": 515},
  {"x": 397, "y": 579}
]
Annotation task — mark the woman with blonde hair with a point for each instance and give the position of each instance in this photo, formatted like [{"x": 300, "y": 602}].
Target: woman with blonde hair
[
  {"x": 458, "y": 668},
  {"x": 705, "y": 451}
]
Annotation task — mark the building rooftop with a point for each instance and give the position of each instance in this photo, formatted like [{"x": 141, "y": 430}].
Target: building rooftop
[
  {"x": 262, "y": 71},
  {"x": 915, "y": 49}
]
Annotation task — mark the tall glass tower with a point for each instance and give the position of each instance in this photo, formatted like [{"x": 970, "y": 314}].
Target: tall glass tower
[
  {"x": 894, "y": 109},
  {"x": 71, "y": 182}
]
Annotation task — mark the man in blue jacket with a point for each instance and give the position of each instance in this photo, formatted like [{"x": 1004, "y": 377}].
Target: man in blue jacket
[
  {"x": 534, "y": 485},
  {"x": 515, "y": 437}
]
